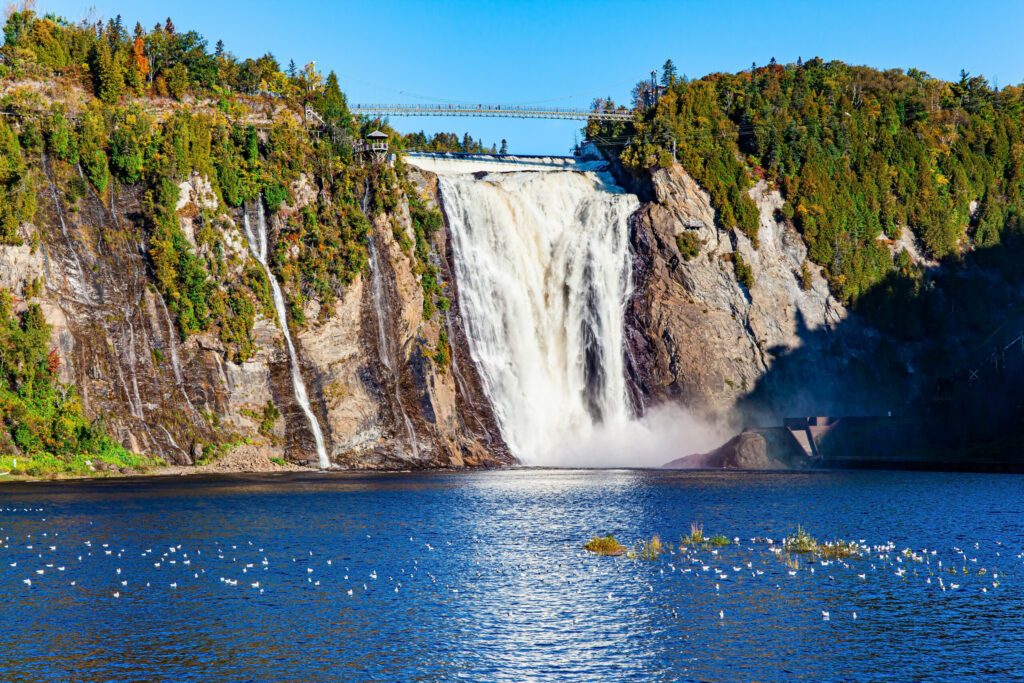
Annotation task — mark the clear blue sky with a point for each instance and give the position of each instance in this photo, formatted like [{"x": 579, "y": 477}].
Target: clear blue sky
[{"x": 564, "y": 53}]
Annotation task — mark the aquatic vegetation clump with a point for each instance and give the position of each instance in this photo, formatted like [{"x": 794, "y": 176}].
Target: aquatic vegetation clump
[
  {"x": 649, "y": 550},
  {"x": 803, "y": 542},
  {"x": 696, "y": 536},
  {"x": 838, "y": 550},
  {"x": 605, "y": 545},
  {"x": 800, "y": 542}
]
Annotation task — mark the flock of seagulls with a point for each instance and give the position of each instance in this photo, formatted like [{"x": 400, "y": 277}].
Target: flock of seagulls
[
  {"x": 871, "y": 564},
  {"x": 42, "y": 558},
  {"x": 51, "y": 561}
]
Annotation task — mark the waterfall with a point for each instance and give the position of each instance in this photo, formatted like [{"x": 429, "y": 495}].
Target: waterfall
[
  {"x": 258, "y": 248},
  {"x": 543, "y": 267}
]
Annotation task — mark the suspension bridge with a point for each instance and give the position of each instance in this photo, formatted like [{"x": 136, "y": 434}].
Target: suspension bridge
[{"x": 490, "y": 110}]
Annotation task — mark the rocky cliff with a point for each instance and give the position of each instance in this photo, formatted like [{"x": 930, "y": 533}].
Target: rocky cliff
[
  {"x": 739, "y": 332},
  {"x": 381, "y": 399}
]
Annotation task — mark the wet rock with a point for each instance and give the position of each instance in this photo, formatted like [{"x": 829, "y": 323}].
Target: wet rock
[{"x": 748, "y": 451}]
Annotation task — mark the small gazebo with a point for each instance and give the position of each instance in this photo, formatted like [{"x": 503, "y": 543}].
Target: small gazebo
[{"x": 377, "y": 145}]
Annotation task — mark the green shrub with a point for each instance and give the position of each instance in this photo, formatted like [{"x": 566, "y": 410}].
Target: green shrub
[
  {"x": 806, "y": 278},
  {"x": 688, "y": 244},
  {"x": 43, "y": 421},
  {"x": 17, "y": 189},
  {"x": 62, "y": 140},
  {"x": 274, "y": 195},
  {"x": 269, "y": 418},
  {"x": 605, "y": 545},
  {"x": 744, "y": 274}
]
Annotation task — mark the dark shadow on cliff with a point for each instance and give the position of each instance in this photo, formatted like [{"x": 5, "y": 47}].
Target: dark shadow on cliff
[{"x": 939, "y": 353}]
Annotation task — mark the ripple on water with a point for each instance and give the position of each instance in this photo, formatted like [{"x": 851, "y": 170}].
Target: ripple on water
[{"x": 481, "y": 577}]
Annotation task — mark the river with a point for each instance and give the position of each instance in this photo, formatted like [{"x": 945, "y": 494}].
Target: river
[{"x": 482, "y": 577}]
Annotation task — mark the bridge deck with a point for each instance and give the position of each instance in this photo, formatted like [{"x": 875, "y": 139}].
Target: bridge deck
[{"x": 489, "y": 110}]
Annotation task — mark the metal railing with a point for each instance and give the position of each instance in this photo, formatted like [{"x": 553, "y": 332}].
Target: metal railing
[{"x": 490, "y": 110}]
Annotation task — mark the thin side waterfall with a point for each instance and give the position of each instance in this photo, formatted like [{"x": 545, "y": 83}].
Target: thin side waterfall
[
  {"x": 258, "y": 248},
  {"x": 544, "y": 271},
  {"x": 379, "y": 303}
]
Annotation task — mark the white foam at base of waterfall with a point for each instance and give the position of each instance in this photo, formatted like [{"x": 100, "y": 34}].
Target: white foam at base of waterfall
[{"x": 258, "y": 247}]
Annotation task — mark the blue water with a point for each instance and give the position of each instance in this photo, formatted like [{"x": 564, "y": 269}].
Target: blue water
[{"x": 481, "y": 577}]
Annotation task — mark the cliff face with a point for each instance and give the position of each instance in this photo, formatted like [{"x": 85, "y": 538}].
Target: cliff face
[
  {"x": 775, "y": 344},
  {"x": 380, "y": 399},
  {"x": 729, "y": 345},
  {"x": 386, "y": 401}
]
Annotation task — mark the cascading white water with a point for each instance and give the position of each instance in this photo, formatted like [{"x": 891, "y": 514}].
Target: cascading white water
[
  {"x": 258, "y": 248},
  {"x": 543, "y": 267}
]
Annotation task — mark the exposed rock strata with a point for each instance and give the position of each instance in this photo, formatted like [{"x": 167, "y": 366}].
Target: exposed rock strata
[
  {"x": 164, "y": 396},
  {"x": 728, "y": 352}
]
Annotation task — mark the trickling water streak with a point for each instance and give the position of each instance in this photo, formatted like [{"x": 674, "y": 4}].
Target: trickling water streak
[
  {"x": 377, "y": 287},
  {"x": 543, "y": 265},
  {"x": 79, "y": 285},
  {"x": 258, "y": 247},
  {"x": 172, "y": 344},
  {"x": 137, "y": 408}
]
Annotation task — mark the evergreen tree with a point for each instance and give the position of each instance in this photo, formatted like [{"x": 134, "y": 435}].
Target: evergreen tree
[
  {"x": 504, "y": 147},
  {"x": 332, "y": 104},
  {"x": 219, "y": 49},
  {"x": 108, "y": 73},
  {"x": 668, "y": 73}
]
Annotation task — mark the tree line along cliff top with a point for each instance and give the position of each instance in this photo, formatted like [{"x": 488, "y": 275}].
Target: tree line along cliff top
[{"x": 856, "y": 152}]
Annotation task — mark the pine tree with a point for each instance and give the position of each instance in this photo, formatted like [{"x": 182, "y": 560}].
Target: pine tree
[
  {"x": 333, "y": 106},
  {"x": 169, "y": 26},
  {"x": 108, "y": 73},
  {"x": 668, "y": 73},
  {"x": 504, "y": 147},
  {"x": 219, "y": 50},
  {"x": 293, "y": 71}
]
